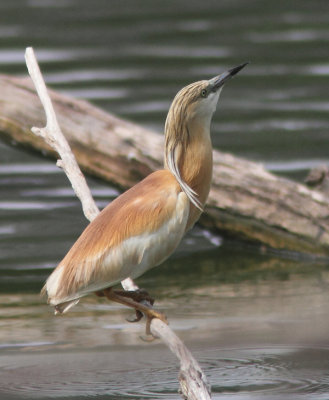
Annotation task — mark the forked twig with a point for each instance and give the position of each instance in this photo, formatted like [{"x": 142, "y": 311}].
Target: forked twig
[
  {"x": 192, "y": 380},
  {"x": 53, "y": 135}
]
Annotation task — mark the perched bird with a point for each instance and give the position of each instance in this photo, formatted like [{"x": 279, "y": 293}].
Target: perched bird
[{"x": 145, "y": 224}]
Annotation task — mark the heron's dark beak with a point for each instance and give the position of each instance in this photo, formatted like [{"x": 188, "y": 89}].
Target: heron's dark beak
[{"x": 220, "y": 80}]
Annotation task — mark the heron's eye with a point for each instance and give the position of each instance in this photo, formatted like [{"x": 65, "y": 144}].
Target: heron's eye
[{"x": 203, "y": 93}]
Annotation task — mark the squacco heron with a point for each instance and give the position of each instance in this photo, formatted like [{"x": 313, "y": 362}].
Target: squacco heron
[{"x": 145, "y": 224}]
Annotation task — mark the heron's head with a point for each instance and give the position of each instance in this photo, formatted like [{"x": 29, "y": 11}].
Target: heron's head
[
  {"x": 197, "y": 101},
  {"x": 188, "y": 122}
]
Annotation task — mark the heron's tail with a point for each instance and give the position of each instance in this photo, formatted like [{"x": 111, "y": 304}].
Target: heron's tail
[
  {"x": 50, "y": 289},
  {"x": 64, "y": 307}
]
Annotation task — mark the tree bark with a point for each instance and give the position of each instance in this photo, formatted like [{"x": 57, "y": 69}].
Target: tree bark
[{"x": 246, "y": 201}]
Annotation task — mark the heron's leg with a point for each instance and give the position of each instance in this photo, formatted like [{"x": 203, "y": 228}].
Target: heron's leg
[
  {"x": 136, "y": 295},
  {"x": 139, "y": 295},
  {"x": 142, "y": 308}
]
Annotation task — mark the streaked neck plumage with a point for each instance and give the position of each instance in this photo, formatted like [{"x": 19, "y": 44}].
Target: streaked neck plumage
[{"x": 188, "y": 148}]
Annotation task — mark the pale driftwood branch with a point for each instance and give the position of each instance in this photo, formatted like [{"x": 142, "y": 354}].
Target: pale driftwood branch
[
  {"x": 246, "y": 201},
  {"x": 193, "y": 382},
  {"x": 53, "y": 135}
]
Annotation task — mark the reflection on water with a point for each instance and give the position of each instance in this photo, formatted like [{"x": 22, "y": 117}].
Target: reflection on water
[
  {"x": 249, "y": 373},
  {"x": 258, "y": 327}
]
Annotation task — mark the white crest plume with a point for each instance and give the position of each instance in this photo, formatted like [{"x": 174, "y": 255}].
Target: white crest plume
[{"x": 171, "y": 160}]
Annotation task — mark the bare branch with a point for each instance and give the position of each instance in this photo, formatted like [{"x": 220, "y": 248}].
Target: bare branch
[
  {"x": 53, "y": 135},
  {"x": 193, "y": 382}
]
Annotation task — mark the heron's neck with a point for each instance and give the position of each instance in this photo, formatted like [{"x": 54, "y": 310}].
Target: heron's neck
[
  {"x": 188, "y": 155},
  {"x": 195, "y": 163}
]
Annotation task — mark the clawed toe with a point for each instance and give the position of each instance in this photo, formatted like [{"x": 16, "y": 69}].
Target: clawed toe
[
  {"x": 135, "y": 318},
  {"x": 147, "y": 338}
]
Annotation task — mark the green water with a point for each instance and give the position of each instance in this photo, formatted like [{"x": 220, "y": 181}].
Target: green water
[{"x": 257, "y": 323}]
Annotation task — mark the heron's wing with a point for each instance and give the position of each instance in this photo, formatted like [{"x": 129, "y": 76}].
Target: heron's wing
[{"x": 135, "y": 232}]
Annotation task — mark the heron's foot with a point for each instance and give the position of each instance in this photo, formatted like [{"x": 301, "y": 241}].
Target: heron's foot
[
  {"x": 139, "y": 296},
  {"x": 150, "y": 313},
  {"x": 135, "y": 318},
  {"x": 141, "y": 308},
  {"x": 149, "y": 337}
]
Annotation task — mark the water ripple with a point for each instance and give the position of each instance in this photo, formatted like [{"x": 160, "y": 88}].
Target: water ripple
[
  {"x": 39, "y": 168},
  {"x": 289, "y": 36},
  {"x": 92, "y": 75},
  {"x": 50, "y": 3},
  {"x": 34, "y": 205},
  {"x": 97, "y": 93},
  {"x": 10, "y": 31},
  {"x": 195, "y": 25},
  {"x": 272, "y": 370},
  {"x": 7, "y": 230},
  {"x": 68, "y": 192},
  {"x": 146, "y": 107},
  {"x": 16, "y": 56},
  {"x": 321, "y": 69},
  {"x": 180, "y": 51},
  {"x": 247, "y": 373},
  {"x": 295, "y": 165},
  {"x": 23, "y": 344}
]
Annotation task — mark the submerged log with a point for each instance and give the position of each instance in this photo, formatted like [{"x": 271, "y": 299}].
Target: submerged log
[{"x": 246, "y": 201}]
